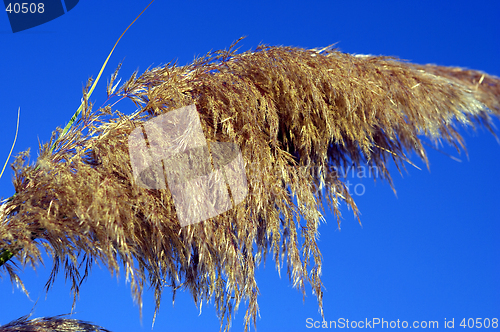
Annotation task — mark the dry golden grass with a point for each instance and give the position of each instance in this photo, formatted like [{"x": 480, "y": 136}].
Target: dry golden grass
[
  {"x": 297, "y": 116},
  {"x": 50, "y": 324}
]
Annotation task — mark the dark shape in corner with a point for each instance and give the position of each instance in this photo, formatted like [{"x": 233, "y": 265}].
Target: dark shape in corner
[{"x": 23, "y": 16}]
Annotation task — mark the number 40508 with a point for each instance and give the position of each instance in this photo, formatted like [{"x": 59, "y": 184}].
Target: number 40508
[
  {"x": 479, "y": 323},
  {"x": 25, "y": 8}
]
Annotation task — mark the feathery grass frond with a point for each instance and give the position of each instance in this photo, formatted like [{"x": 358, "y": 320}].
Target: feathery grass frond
[
  {"x": 50, "y": 324},
  {"x": 298, "y": 117}
]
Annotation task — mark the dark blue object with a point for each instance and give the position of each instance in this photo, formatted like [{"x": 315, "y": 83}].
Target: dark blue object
[
  {"x": 70, "y": 4},
  {"x": 25, "y": 15}
]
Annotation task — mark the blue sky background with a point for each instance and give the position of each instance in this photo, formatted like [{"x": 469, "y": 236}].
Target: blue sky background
[{"x": 431, "y": 253}]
